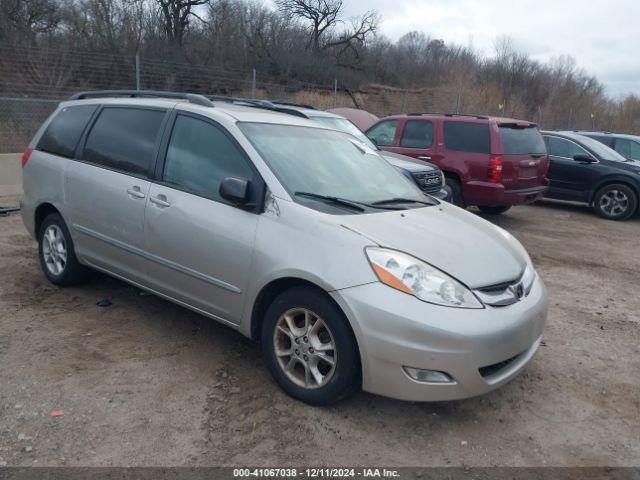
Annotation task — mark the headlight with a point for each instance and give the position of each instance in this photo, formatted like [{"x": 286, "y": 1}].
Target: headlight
[{"x": 415, "y": 277}]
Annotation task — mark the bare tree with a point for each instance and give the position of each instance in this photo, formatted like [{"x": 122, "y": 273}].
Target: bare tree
[{"x": 177, "y": 16}]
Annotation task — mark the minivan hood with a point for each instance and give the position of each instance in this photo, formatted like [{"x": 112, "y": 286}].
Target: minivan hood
[{"x": 460, "y": 243}]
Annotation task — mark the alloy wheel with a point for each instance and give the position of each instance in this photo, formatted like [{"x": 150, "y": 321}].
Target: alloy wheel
[
  {"x": 614, "y": 203},
  {"x": 305, "y": 348},
  {"x": 54, "y": 250}
]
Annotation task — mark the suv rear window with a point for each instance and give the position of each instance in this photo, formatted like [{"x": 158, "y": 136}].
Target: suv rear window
[
  {"x": 124, "y": 139},
  {"x": 467, "y": 137},
  {"x": 522, "y": 141},
  {"x": 62, "y": 134}
]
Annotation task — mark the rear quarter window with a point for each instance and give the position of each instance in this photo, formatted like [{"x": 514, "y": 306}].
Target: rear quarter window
[
  {"x": 522, "y": 141},
  {"x": 64, "y": 131},
  {"x": 467, "y": 137}
]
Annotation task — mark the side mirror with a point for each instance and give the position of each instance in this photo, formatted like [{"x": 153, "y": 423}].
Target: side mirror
[
  {"x": 584, "y": 158},
  {"x": 235, "y": 190}
]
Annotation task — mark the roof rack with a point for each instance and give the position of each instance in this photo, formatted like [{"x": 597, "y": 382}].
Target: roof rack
[
  {"x": 479, "y": 117},
  {"x": 291, "y": 104},
  {"x": 191, "y": 97},
  {"x": 263, "y": 104}
]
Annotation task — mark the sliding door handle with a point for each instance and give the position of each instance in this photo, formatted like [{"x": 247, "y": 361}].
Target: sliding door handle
[
  {"x": 135, "y": 192},
  {"x": 160, "y": 200}
]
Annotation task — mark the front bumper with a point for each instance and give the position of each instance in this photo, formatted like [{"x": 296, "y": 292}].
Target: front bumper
[
  {"x": 395, "y": 330},
  {"x": 495, "y": 194}
]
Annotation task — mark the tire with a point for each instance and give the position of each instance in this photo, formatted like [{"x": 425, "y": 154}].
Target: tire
[
  {"x": 615, "y": 202},
  {"x": 456, "y": 192},
  {"x": 57, "y": 254},
  {"x": 305, "y": 307},
  {"x": 494, "y": 210}
]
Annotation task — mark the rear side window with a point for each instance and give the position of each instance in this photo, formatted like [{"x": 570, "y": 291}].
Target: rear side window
[
  {"x": 383, "y": 133},
  {"x": 628, "y": 148},
  {"x": 608, "y": 141},
  {"x": 467, "y": 137},
  {"x": 417, "y": 134},
  {"x": 63, "y": 132},
  {"x": 124, "y": 139},
  {"x": 559, "y": 147},
  {"x": 200, "y": 156},
  {"x": 522, "y": 141}
]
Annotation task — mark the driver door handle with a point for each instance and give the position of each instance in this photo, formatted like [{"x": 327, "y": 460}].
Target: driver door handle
[
  {"x": 135, "y": 192},
  {"x": 160, "y": 200}
]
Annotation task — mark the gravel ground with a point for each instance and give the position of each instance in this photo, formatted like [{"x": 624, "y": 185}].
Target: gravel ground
[{"x": 144, "y": 382}]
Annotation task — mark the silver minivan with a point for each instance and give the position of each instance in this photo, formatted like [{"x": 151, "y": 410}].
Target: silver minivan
[{"x": 299, "y": 236}]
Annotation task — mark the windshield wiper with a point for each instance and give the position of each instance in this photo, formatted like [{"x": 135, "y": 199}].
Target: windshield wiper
[
  {"x": 337, "y": 200},
  {"x": 390, "y": 201}
]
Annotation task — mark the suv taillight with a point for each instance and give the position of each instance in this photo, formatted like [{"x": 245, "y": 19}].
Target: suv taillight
[
  {"x": 25, "y": 156},
  {"x": 495, "y": 168}
]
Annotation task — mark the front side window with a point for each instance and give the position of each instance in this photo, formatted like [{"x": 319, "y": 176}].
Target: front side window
[
  {"x": 467, "y": 137},
  {"x": 124, "y": 139},
  {"x": 200, "y": 156},
  {"x": 417, "y": 134},
  {"x": 559, "y": 147},
  {"x": 328, "y": 163},
  {"x": 383, "y": 133},
  {"x": 62, "y": 134}
]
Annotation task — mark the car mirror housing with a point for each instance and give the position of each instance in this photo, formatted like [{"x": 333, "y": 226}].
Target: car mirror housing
[
  {"x": 235, "y": 190},
  {"x": 584, "y": 158}
]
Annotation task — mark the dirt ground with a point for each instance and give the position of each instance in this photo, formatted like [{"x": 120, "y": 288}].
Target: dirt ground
[{"x": 145, "y": 382}]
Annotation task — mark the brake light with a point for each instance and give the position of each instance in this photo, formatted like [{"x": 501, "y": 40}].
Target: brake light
[
  {"x": 495, "y": 169},
  {"x": 25, "y": 156}
]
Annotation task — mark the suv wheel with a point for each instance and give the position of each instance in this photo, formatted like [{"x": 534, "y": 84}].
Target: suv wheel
[
  {"x": 309, "y": 347},
  {"x": 615, "y": 202},
  {"x": 494, "y": 210},
  {"x": 56, "y": 252},
  {"x": 456, "y": 192}
]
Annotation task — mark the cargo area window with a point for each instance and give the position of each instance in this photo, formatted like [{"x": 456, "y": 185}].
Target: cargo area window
[
  {"x": 467, "y": 137},
  {"x": 124, "y": 139},
  {"x": 63, "y": 133},
  {"x": 518, "y": 140}
]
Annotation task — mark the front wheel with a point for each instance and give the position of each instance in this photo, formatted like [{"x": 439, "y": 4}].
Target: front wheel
[
  {"x": 456, "y": 192},
  {"x": 497, "y": 210},
  {"x": 615, "y": 202},
  {"x": 309, "y": 347}
]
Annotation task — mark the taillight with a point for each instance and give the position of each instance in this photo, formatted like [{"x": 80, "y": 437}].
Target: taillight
[
  {"x": 495, "y": 169},
  {"x": 25, "y": 156}
]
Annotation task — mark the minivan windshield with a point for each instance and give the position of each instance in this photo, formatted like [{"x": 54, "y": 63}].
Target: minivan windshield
[
  {"x": 344, "y": 125},
  {"x": 319, "y": 162},
  {"x": 517, "y": 140}
]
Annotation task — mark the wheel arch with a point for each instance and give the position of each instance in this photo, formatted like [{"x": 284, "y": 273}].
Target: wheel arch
[
  {"x": 41, "y": 212},
  {"x": 611, "y": 180}
]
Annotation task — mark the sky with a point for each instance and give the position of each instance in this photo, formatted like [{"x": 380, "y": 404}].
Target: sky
[{"x": 602, "y": 36}]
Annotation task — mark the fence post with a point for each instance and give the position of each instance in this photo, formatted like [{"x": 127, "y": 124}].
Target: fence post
[
  {"x": 570, "y": 118},
  {"x": 404, "y": 101},
  {"x": 335, "y": 92},
  {"x": 539, "y": 116},
  {"x": 137, "y": 71},
  {"x": 253, "y": 84}
]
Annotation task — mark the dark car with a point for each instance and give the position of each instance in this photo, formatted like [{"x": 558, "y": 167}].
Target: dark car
[
  {"x": 626, "y": 145},
  {"x": 490, "y": 162},
  {"x": 583, "y": 169}
]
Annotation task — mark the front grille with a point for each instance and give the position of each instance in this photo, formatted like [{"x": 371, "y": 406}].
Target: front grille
[
  {"x": 429, "y": 182},
  {"x": 490, "y": 370},
  {"x": 497, "y": 288}
]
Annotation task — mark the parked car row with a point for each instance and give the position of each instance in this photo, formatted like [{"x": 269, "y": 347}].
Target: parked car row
[
  {"x": 495, "y": 163},
  {"x": 274, "y": 221}
]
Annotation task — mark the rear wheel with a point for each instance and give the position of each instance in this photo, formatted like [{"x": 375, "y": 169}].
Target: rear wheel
[
  {"x": 615, "y": 202},
  {"x": 309, "y": 347},
  {"x": 497, "y": 210},
  {"x": 56, "y": 252},
  {"x": 456, "y": 192}
]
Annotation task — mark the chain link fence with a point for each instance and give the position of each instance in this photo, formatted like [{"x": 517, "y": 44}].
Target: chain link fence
[{"x": 34, "y": 80}]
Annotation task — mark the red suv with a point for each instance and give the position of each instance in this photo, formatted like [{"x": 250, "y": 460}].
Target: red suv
[{"x": 489, "y": 162}]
